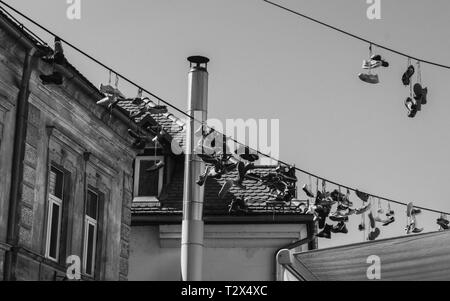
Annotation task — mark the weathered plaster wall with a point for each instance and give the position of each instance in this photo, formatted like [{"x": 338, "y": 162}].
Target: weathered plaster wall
[{"x": 232, "y": 252}]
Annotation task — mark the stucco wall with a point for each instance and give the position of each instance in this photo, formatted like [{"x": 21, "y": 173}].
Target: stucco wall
[{"x": 232, "y": 252}]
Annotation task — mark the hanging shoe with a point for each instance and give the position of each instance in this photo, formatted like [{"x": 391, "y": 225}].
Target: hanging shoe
[
  {"x": 137, "y": 101},
  {"x": 378, "y": 58},
  {"x": 406, "y": 78},
  {"x": 238, "y": 205},
  {"x": 417, "y": 230},
  {"x": 156, "y": 167},
  {"x": 342, "y": 207},
  {"x": 424, "y": 96},
  {"x": 362, "y": 210},
  {"x": 225, "y": 188},
  {"x": 443, "y": 223},
  {"x": 363, "y": 196},
  {"x": 209, "y": 159},
  {"x": 107, "y": 89},
  {"x": 412, "y": 107},
  {"x": 57, "y": 57},
  {"x": 361, "y": 227},
  {"x": 55, "y": 78},
  {"x": 338, "y": 217},
  {"x": 372, "y": 220},
  {"x": 303, "y": 207},
  {"x": 59, "y": 52},
  {"x": 369, "y": 78},
  {"x": 326, "y": 232},
  {"x": 390, "y": 213},
  {"x": 371, "y": 64},
  {"x": 340, "y": 228},
  {"x": 308, "y": 191},
  {"x": 241, "y": 170},
  {"x": 409, "y": 209},
  {"x": 409, "y": 228},
  {"x": 351, "y": 211},
  {"x": 374, "y": 234},
  {"x": 250, "y": 157},
  {"x": 201, "y": 180},
  {"x": 390, "y": 220},
  {"x": 108, "y": 102},
  {"x": 157, "y": 109},
  {"x": 420, "y": 94},
  {"x": 415, "y": 211}
]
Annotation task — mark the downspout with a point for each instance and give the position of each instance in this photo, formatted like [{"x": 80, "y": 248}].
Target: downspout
[
  {"x": 310, "y": 240},
  {"x": 12, "y": 237}
]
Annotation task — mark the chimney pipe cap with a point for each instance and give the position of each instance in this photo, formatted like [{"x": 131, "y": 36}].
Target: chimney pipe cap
[{"x": 198, "y": 59}]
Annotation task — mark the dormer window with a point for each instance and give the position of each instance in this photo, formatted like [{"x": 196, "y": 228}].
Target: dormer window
[{"x": 148, "y": 178}]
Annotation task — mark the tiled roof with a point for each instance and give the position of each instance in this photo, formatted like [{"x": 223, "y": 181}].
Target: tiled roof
[
  {"x": 171, "y": 124},
  {"x": 257, "y": 195}
]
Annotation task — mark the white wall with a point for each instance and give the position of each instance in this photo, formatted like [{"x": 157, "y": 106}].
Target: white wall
[{"x": 232, "y": 252}]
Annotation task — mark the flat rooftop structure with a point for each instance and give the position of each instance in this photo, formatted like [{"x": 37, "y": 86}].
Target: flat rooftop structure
[{"x": 421, "y": 257}]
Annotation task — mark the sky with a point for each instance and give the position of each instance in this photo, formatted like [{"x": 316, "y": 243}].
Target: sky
[{"x": 269, "y": 64}]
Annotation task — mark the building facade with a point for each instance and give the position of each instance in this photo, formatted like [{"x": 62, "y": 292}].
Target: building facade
[
  {"x": 66, "y": 170},
  {"x": 239, "y": 245}
]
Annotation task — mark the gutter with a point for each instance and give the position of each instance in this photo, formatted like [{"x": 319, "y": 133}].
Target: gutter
[
  {"x": 283, "y": 256},
  {"x": 12, "y": 237}
]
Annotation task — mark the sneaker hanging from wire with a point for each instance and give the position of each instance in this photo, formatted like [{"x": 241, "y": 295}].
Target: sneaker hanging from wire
[
  {"x": 362, "y": 196},
  {"x": 369, "y": 78},
  {"x": 412, "y": 107},
  {"x": 155, "y": 167},
  {"x": 340, "y": 228},
  {"x": 362, "y": 210},
  {"x": 443, "y": 222},
  {"x": 58, "y": 54},
  {"x": 374, "y": 234},
  {"x": 225, "y": 189},
  {"x": 326, "y": 232},
  {"x": 55, "y": 78},
  {"x": 406, "y": 77},
  {"x": 378, "y": 58},
  {"x": 307, "y": 189}
]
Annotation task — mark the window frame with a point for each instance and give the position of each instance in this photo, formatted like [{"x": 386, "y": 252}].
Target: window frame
[
  {"x": 137, "y": 166},
  {"x": 93, "y": 222},
  {"x": 51, "y": 201}
]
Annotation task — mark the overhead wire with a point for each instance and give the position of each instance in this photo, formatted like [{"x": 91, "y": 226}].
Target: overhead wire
[{"x": 200, "y": 122}]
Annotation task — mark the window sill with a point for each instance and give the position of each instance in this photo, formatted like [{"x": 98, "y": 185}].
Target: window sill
[{"x": 146, "y": 199}]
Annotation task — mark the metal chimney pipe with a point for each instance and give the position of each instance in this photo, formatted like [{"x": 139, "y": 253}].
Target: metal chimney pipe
[{"x": 193, "y": 196}]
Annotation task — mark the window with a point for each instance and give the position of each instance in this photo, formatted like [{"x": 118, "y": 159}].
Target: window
[
  {"x": 54, "y": 213},
  {"x": 90, "y": 232},
  {"x": 148, "y": 184}
]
